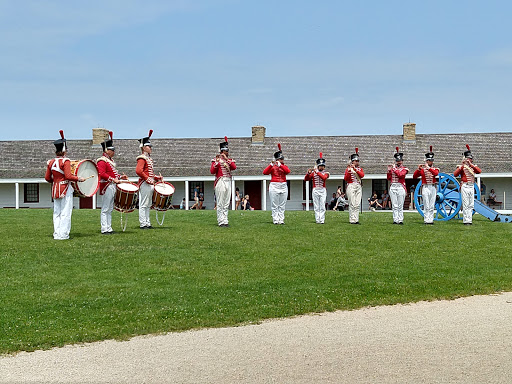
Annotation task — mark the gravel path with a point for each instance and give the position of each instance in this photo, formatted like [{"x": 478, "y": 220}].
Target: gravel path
[{"x": 467, "y": 340}]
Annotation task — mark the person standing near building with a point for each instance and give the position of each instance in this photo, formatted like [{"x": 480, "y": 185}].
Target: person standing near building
[
  {"x": 397, "y": 190},
  {"x": 278, "y": 188},
  {"x": 221, "y": 167},
  {"x": 428, "y": 174},
  {"x": 353, "y": 175},
  {"x": 147, "y": 180},
  {"x": 467, "y": 171},
  {"x": 318, "y": 176},
  {"x": 58, "y": 172},
  {"x": 109, "y": 177}
]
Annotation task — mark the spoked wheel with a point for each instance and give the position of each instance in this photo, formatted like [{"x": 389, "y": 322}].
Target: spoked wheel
[{"x": 448, "y": 198}]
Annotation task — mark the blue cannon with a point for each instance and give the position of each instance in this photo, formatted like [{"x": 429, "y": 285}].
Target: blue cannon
[{"x": 449, "y": 201}]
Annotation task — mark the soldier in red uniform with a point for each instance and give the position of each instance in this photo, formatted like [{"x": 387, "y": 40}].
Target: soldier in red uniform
[
  {"x": 467, "y": 171},
  {"x": 278, "y": 188},
  {"x": 147, "y": 180},
  {"x": 318, "y": 176},
  {"x": 109, "y": 177},
  {"x": 58, "y": 172},
  {"x": 353, "y": 175},
  {"x": 397, "y": 190},
  {"x": 428, "y": 174},
  {"x": 221, "y": 167}
]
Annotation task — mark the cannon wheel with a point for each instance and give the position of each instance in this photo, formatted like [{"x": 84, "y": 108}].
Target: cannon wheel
[{"x": 448, "y": 199}]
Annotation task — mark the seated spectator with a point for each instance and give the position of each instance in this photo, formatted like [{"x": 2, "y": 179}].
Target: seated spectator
[
  {"x": 492, "y": 198},
  {"x": 182, "y": 204},
  {"x": 374, "y": 202},
  {"x": 341, "y": 202},
  {"x": 246, "y": 205},
  {"x": 386, "y": 203},
  {"x": 333, "y": 201},
  {"x": 201, "y": 199}
]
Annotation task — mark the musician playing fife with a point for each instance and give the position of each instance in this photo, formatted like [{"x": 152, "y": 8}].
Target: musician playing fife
[
  {"x": 147, "y": 180},
  {"x": 397, "y": 190},
  {"x": 58, "y": 172},
  {"x": 109, "y": 177},
  {"x": 221, "y": 167},
  {"x": 428, "y": 174},
  {"x": 353, "y": 175},
  {"x": 467, "y": 171},
  {"x": 278, "y": 188},
  {"x": 318, "y": 176}
]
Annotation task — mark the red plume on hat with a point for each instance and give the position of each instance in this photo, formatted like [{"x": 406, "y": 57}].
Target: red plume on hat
[
  {"x": 150, "y": 133},
  {"x": 111, "y": 134},
  {"x": 396, "y": 149},
  {"x": 279, "y": 146},
  {"x": 357, "y": 151},
  {"x": 321, "y": 155},
  {"x": 61, "y": 134},
  {"x": 430, "y": 148},
  {"x": 467, "y": 146},
  {"x": 226, "y": 139}
]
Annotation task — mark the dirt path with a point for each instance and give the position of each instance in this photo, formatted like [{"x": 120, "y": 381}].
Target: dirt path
[{"x": 468, "y": 340}]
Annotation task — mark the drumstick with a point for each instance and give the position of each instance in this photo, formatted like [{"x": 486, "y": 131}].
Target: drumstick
[{"x": 88, "y": 177}]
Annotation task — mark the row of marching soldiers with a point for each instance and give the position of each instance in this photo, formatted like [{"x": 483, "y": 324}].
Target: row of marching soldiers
[{"x": 59, "y": 174}]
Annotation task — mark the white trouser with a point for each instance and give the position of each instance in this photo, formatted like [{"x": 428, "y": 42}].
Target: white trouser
[
  {"x": 62, "y": 210},
  {"x": 145, "y": 202},
  {"x": 397, "y": 194},
  {"x": 467, "y": 191},
  {"x": 278, "y": 193},
  {"x": 319, "y": 196},
  {"x": 428, "y": 194},
  {"x": 107, "y": 205},
  {"x": 223, "y": 194},
  {"x": 354, "y": 192}
]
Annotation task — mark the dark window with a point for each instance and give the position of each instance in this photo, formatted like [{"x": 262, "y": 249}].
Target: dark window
[
  {"x": 192, "y": 185},
  {"x": 288, "y": 185},
  {"x": 304, "y": 190},
  {"x": 379, "y": 186},
  {"x": 31, "y": 193}
]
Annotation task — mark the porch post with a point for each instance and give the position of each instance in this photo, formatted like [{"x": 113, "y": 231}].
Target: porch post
[
  {"x": 264, "y": 195},
  {"x": 232, "y": 193},
  {"x": 307, "y": 195},
  {"x": 186, "y": 195},
  {"x": 17, "y": 189},
  {"x": 94, "y": 201}
]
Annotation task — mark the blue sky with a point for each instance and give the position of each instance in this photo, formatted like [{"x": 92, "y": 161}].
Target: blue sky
[{"x": 214, "y": 68}]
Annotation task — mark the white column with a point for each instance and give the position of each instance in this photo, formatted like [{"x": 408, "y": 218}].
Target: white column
[
  {"x": 17, "y": 189},
  {"x": 504, "y": 201},
  {"x": 232, "y": 193},
  {"x": 264, "y": 195},
  {"x": 307, "y": 195},
  {"x": 94, "y": 200},
  {"x": 186, "y": 195}
]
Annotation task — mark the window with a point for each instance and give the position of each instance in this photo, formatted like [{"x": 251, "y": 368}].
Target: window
[
  {"x": 288, "y": 185},
  {"x": 304, "y": 190},
  {"x": 192, "y": 185},
  {"x": 31, "y": 193},
  {"x": 379, "y": 186}
]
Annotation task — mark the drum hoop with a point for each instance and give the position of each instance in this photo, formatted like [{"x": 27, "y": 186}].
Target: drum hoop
[
  {"x": 164, "y": 194},
  {"x": 80, "y": 162}
]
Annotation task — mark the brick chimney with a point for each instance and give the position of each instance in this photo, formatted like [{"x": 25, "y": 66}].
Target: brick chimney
[
  {"x": 99, "y": 135},
  {"x": 409, "y": 132},
  {"x": 258, "y": 135}
]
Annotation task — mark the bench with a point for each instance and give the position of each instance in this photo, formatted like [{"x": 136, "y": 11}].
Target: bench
[{"x": 494, "y": 203}]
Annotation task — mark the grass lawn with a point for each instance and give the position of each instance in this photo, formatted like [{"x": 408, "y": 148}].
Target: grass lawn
[{"x": 189, "y": 273}]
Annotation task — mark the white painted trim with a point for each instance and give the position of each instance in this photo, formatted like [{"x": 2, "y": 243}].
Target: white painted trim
[
  {"x": 307, "y": 195},
  {"x": 264, "y": 195},
  {"x": 186, "y": 195},
  {"x": 17, "y": 191}
]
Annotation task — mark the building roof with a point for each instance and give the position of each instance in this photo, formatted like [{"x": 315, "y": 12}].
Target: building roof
[{"x": 191, "y": 157}]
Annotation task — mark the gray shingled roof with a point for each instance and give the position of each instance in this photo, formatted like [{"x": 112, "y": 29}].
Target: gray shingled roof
[{"x": 191, "y": 157}]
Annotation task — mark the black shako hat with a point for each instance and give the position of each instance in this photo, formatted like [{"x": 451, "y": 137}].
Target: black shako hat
[
  {"x": 467, "y": 154},
  {"x": 60, "y": 145},
  {"x": 399, "y": 156},
  {"x": 145, "y": 140},
  {"x": 429, "y": 155},
  {"x": 279, "y": 154},
  {"x": 108, "y": 144},
  {"x": 355, "y": 156},
  {"x": 224, "y": 145},
  {"x": 320, "y": 160}
]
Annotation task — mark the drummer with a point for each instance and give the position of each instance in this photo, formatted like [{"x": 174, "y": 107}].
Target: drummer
[
  {"x": 109, "y": 177},
  {"x": 147, "y": 180},
  {"x": 58, "y": 172}
]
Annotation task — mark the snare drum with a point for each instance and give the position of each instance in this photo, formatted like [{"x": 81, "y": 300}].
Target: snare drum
[
  {"x": 126, "y": 197},
  {"x": 88, "y": 170},
  {"x": 162, "y": 196}
]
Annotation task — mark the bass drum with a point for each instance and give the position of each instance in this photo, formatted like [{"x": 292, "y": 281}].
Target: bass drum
[{"x": 88, "y": 170}]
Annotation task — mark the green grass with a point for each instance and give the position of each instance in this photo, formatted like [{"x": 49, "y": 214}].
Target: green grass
[{"x": 191, "y": 273}]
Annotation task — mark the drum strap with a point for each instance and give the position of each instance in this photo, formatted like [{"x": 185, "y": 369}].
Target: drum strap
[
  {"x": 125, "y": 222},
  {"x": 163, "y": 218}
]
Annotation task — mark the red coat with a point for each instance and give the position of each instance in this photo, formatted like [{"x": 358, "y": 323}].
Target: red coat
[
  {"x": 278, "y": 172},
  {"x": 59, "y": 173},
  {"x": 107, "y": 172},
  {"x": 350, "y": 177},
  {"x": 218, "y": 169},
  {"x": 424, "y": 173},
  {"x": 397, "y": 175},
  {"x": 145, "y": 170},
  {"x": 317, "y": 177},
  {"x": 466, "y": 175}
]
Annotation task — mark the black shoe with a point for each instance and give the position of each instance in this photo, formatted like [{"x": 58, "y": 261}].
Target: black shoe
[
  {"x": 112, "y": 232},
  {"x": 400, "y": 223},
  {"x": 106, "y": 233},
  {"x": 149, "y": 227},
  {"x": 143, "y": 227},
  {"x": 394, "y": 222},
  {"x": 468, "y": 223}
]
